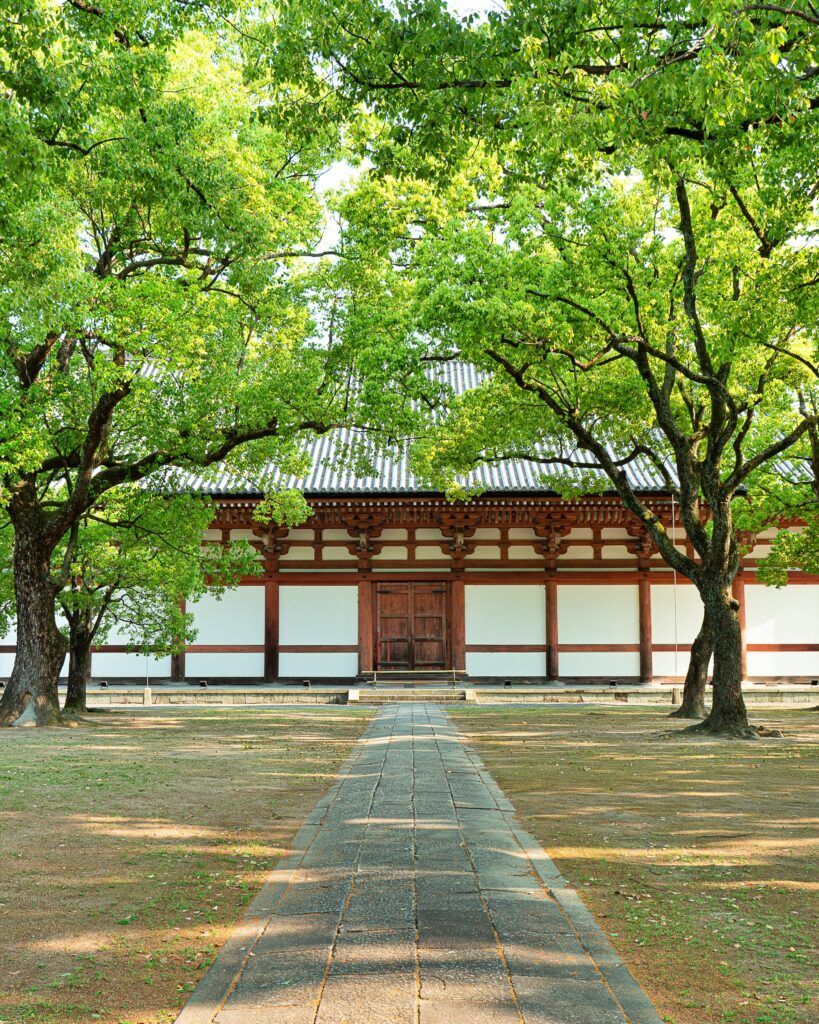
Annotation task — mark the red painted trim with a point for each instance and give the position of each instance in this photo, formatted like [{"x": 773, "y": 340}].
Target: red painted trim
[
  {"x": 801, "y": 648},
  {"x": 366, "y": 626},
  {"x": 318, "y": 648},
  {"x": 738, "y": 590},
  {"x": 644, "y": 599},
  {"x": 552, "y": 644},
  {"x": 225, "y": 648},
  {"x": 599, "y": 648},
  {"x": 458, "y": 625},
  {"x": 271, "y": 631},
  {"x": 505, "y": 648}
]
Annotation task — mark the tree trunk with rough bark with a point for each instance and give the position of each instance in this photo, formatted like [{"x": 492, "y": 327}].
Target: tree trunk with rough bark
[
  {"x": 696, "y": 678},
  {"x": 728, "y": 712},
  {"x": 79, "y": 668},
  {"x": 41, "y": 647}
]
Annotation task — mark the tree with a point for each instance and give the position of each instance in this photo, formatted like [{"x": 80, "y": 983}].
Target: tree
[
  {"x": 575, "y": 103},
  {"x": 635, "y": 320},
  {"x": 155, "y": 209},
  {"x": 135, "y": 561}
]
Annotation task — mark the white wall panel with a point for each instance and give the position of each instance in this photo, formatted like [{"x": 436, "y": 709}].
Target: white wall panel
[
  {"x": 688, "y": 613},
  {"x": 246, "y": 665},
  {"x": 665, "y": 665},
  {"x": 318, "y": 615},
  {"x": 593, "y": 663},
  {"x": 783, "y": 663},
  {"x": 115, "y": 666},
  {"x": 237, "y": 619},
  {"x": 312, "y": 665},
  {"x": 513, "y": 614},
  {"x": 786, "y": 616},
  {"x": 531, "y": 664},
  {"x": 597, "y": 615}
]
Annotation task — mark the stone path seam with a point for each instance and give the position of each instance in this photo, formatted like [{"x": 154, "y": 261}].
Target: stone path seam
[{"x": 414, "y": 896}]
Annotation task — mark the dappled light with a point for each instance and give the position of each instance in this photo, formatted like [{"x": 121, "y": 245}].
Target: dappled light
[
  {"x": 698, "y": 857},
  {"x": 129, "y": 848}
]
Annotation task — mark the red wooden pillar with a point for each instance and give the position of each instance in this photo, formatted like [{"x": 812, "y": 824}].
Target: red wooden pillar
[
  {"x": 738, "y": 590},
  {"x": 271, "y": 631},
  {"x": 458, "y": 625},
  {"x": 646, "y": 654},
  {"x": 552, "y": 657},
  {"x": 178, "y": 660},
  {"x": 365, "y": 626}
]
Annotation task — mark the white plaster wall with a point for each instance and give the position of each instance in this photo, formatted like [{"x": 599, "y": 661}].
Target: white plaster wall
[
  {"x": 425, "y": 552},
  {"x": 688, "y": 613},
  {"x": 786, "y": 616},
  {"x": 247, "y": 665},
  {"x": 524, "y": 553},
  {"x": 513, "y": 614},
  {"x": 602, "y": 614},
  {"x": 318, "y": 615},
  {"x": 114, "y": 666},
  {"x": 783, "y": 663},
  {"x": 237, "y": 619},
  {"x": 316, "y": 665},
  {"x": 7, "y": 660},
  {"x": 391, "y": 553},
  {"x": 665, "y": 665},
  {"x": 485, "y": 551},
  {"x": 337, "y": 554},
  {"x": 593, "y": 663},
  {"x": 504, "y": 665}
]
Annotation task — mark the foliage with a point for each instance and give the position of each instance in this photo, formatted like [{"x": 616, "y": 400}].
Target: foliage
[{"x": 137, "y": 558}]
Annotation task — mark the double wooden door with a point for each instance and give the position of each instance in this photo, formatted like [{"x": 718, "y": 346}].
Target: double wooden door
[{"x": 412, "y": 626}]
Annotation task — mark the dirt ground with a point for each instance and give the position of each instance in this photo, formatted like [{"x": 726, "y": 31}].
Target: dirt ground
[
  {"x": 699, "y": 857},
  {"x": 128, "y": 848}
]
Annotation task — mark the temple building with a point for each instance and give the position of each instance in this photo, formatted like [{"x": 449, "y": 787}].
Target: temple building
[{"x": 386, "y": 577}]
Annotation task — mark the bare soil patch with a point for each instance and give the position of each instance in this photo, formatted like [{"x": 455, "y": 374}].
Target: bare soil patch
[
  {"x": 130, "y": 846},
  {"x": 698, "y": 856}
]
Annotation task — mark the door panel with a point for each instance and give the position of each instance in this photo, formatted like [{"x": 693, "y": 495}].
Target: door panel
[
  {"x": 412, "y": 626},
  {"x": 394, "y": 626},
  {"x": 429, "y": 625}
]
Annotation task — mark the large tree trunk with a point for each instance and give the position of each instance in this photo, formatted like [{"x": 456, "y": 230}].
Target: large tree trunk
[
  {"x": 728, "y": 713},
  {"x": 40, "y": 645},
  {"x": 79, "y": 670},
  {"x": 696, "y": 678}
]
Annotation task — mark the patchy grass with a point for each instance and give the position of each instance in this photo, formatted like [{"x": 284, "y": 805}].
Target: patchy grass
[
  {"x": 129, "y": 847},
  {"x": 697, "y": 856}
]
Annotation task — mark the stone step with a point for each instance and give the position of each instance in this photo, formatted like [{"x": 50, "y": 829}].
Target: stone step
[{"x": 380, "y": 695}]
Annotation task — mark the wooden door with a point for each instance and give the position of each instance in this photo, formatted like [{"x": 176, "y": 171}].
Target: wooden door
[
  {"x": 412, "y": 626},
  {"x": 429, "y": 645}
]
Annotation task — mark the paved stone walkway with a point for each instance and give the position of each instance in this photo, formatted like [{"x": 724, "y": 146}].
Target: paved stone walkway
[{"x": 414, "y": 897}]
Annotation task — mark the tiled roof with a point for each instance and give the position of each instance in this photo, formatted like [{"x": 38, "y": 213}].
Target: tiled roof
[{"x": 330, "y": 474}]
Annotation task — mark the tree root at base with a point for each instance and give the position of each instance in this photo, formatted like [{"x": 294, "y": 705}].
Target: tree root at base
[{"x": 737, "y": 732}]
